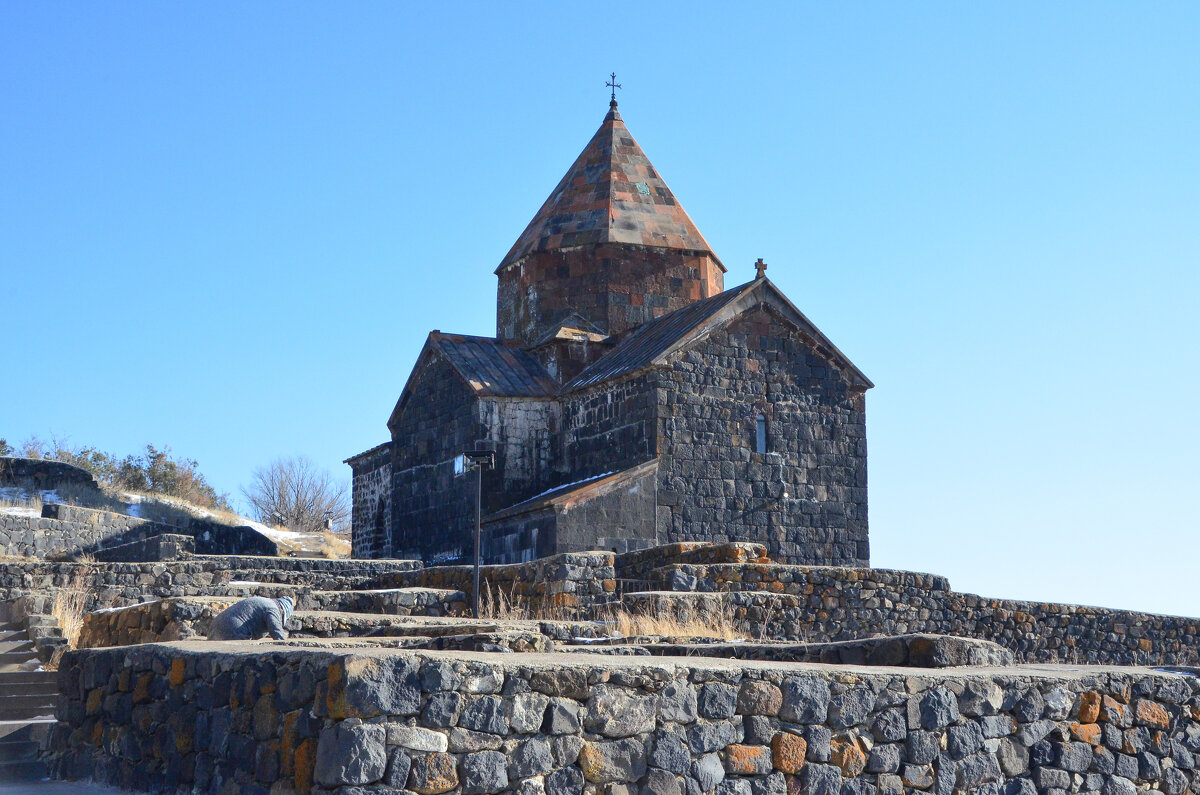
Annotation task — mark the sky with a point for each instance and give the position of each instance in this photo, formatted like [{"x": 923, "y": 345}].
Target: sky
[{"x": 228, "y": 227}]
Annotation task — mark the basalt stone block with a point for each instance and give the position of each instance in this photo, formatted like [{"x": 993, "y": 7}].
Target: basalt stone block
[
  {"x": 819, "y": 739},
  {"x": 483, "y": 773},
  {"x": 938, "y": 708},
  {"x": 465, "y": 741},
  {"x": 615, "y": 711},
  {"x": 964, "y": 740},
  {"x": 1012, "y": 756},
  {"x": 678, "y": 702},
  {"x": 1174, "y": 782},
  {"x": 1051, "y": 778},
  {"x": 921, "y": 748},
  {"x": 351, "y": 753},
  {"x": 561, "y": 717},
  {"x": 671, "y": 753},
  {"x": 661, "y": 782},
  {"x": 442, "y": 709},
  {"x": 890, "y": 726},
  {"x": 432, "y": 774},
  {"x": 1117, "y": 785},
  {"x": 613, "y": 761},
  {"x": 757, "y": 730},
  {"x": 398, "y": 766},
  {"x": 526, "y": 711},
  {"x": 438, "y": 676},
  {"x": 805, "y": 700},
  {"x": 858, "y": 786},
  {"x": 365, "y": 687},
  {"x": 415, "y": 738},
  {"x": 708, "y": 771},
  {"x": 1020, "y": 786},
  {"x": 717, "y": 701},
  {"x": 917, "y": 776},
  {"x": 484, "y": 714},
  {"x": 565, "y": 781},
  {"x": 759, "y": 698},
  {"x": 884, "y": 759},
  {"x": 977, "y": 769},
  {"x": 995, "y": 726},
  {"x": 821, "y": 780},
  {"x": 1127, "y": 766},
  {"x": 747, "y": 760},
  {"x": 772, "y": 784},
  {"x": 706, "y": 737},
  {"x": 734, "y": 786},
  {"x": 531, "y": 758}
]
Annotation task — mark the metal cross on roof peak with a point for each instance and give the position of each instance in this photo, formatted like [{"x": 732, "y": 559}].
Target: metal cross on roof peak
[
  {"x": 614, "y": 85},
  {"x": 761, "y": 268}
]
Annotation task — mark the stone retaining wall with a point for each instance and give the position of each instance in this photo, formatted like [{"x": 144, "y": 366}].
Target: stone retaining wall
[
  {"x": 573, "y": 582},
  {"x": 824, "y": 603},
  {"x": 639, "y": 564},
  {"x": 39, "y": 474},
  {"x": 71, "y": 530},
  {"x": 266, "y": 718}
]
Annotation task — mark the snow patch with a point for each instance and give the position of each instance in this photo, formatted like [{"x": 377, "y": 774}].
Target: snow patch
[
  {"x": 569, "y": 485},
  {"x": 28, "y": 513},
  {"x": 126, "y": 607}
]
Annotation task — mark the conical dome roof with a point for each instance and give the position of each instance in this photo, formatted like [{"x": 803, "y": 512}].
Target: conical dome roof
[{"x": 611, "y": 194}]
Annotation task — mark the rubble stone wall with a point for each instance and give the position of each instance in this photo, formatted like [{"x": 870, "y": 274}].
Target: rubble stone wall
[
  {"x": 574, "y": 581},
  {"x": 829, "y": 603},
  {"x": 278, "y": 718}
]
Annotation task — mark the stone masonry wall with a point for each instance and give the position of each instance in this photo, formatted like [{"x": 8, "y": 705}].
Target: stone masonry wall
[
  {"x": 42, "y": 474},
  {"x": 572, "y": 582},
  {"x": 608, "y": 428},
  {"x": 68, "y": 529},
  {"x": 714, "y": 486},
  {"x": 829, "y": 603},
  {"x": 259, "y": 718},
  {"x": 371, "y": 501},
  {"x": 433, "y": 510}
]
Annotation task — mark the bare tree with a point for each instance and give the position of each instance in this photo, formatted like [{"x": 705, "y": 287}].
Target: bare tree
[{"x": 296, "y": 493}]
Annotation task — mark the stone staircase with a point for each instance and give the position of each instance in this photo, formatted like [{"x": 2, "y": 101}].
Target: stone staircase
[{"x": 27, "y": 701}]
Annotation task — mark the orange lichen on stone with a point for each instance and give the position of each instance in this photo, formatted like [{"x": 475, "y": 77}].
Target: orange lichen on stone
[
  {"x": 787, "y": 752},
  {"x": 1087, "y": 732},
  {"x": 94, "y": 701},
  {"x": 848, "y": 756},
  {"x": 1112, "y": 711},
  {"x": 303, "y": 761},
  {"x": 1145, "y": 645},
  {"x": 1151, "y": 713},
  {"x": 1089, "y": 707},
  {"x": 745, "y": 760},
  {"x": 178, "y": 668}
]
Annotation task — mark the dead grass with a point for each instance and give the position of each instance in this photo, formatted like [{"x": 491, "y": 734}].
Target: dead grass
[
  {"x": 68, "y": 609},
  {"x": 665, "y": 622},
  {"x": 335, "y": 546}
]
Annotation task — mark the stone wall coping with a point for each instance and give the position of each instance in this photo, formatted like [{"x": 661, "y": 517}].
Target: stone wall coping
[{"x": 327, "y": 649}]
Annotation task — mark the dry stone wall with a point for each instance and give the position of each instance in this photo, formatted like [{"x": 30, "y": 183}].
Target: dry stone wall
[
  {"x": 275, "y": 718},
  {"x": 811, "y": 603}
]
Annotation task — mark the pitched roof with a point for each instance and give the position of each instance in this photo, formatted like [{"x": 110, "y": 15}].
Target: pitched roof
[
  {"x": 651, "y": 343},
  {"x": 490, "y": 367},
  {"x": 611, "y": 194},
  {"x": 569, "y": 495}
]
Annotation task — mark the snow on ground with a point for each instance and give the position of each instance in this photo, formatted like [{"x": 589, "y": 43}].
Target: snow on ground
[
  {"x": 126, "y": 607},
  {"x": 29, "y": 513}
]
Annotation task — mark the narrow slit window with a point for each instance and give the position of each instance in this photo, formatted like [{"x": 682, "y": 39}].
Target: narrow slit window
[{"x": 760, "y": 435}]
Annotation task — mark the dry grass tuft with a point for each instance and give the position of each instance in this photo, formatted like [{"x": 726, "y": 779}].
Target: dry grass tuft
[
  {"x": 68, "y": 609},
  {"x": 334, "y": 545},
  {"x": 665, "y": 622}
]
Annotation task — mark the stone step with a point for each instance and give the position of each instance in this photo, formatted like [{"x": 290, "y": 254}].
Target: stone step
[
  {"x": 14, "y": 713},
  {"x": 37, "y": 730},
  {"x": 30, "y": 770},
  {"x": 39, "y": 688},
  {"x": 16, "y": 647},
  {"x": 19, "y": 750},
  {"x": 27, "y": 677}
]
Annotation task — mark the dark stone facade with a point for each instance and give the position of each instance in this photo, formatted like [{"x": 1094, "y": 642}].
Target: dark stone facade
[{"x": 622, "y": 397}]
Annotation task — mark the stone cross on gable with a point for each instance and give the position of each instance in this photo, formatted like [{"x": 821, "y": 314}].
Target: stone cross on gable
[{"x": 761, "y": 268}]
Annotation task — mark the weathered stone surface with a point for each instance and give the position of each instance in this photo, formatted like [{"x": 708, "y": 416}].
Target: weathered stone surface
[
  {"x": 671, "y": 753},
  {"x": 441, "y": 709},
  {"x": 531, "y": 758},
  {"x": 615, "y": 711},
  {"x": 561, "y": 717},
  {"x": 465, "y": 741},
  {"x": 484, "y": 714},
  {"x": 805, "y": 700},
  {"x": 939, "y": 708},
  {"x": 351, "y": 753},
  {"x": 759, "y": 698},
  {"x": 1013, "y": 757},
  {"x": 921, "y": 747},
  {"x": 708, "y": 771},
  {"x": 918, "y": 776},
  {"x": 884, "y": 759},
  {"x": 889, "y": 726},
  {"x": 616, "y": 760},
  {"x": 365, "y": 687},
  {"x": 849, "y": 756},
  {"x": 964, "y": 740},
  {"x": 788, "y": 752},
  {"x": 717, "y": 701},
  {"x": 661, "y": 782},
  {"x": 747, "y": 760},
  {"x": 1089, "y": 707},
  {"x": 415, "y": 738},
  {"x": 976, "y": 770},
  {"x": 850, "y": 708},
  {"x": 432, "y": 774},
  {"x": 565, "y": 781},
  {"x": 483, "y": 773},
  {"x": 821, "y": 780},
  {"x": 677, "y": 702},
  {"x": 399, "y": 764},
  {"x": 525, "y": 711},
  {"x": 706, "y": 737}
]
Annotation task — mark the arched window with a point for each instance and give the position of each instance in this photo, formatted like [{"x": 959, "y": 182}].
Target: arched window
[{"x": 760, "y": 434}]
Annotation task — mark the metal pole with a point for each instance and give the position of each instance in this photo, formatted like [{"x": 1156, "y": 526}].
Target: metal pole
[{"x": 478, "y": 491}]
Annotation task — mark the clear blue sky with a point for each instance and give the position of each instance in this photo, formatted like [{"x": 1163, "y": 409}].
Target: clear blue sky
[{"x": 228, "y": 227}]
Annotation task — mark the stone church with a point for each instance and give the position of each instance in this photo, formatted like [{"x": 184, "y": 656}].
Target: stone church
[{"x": 630, "y": 399}]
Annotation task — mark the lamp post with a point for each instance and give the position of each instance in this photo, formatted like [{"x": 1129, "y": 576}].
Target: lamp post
[{"x": 477, "y": 460}]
